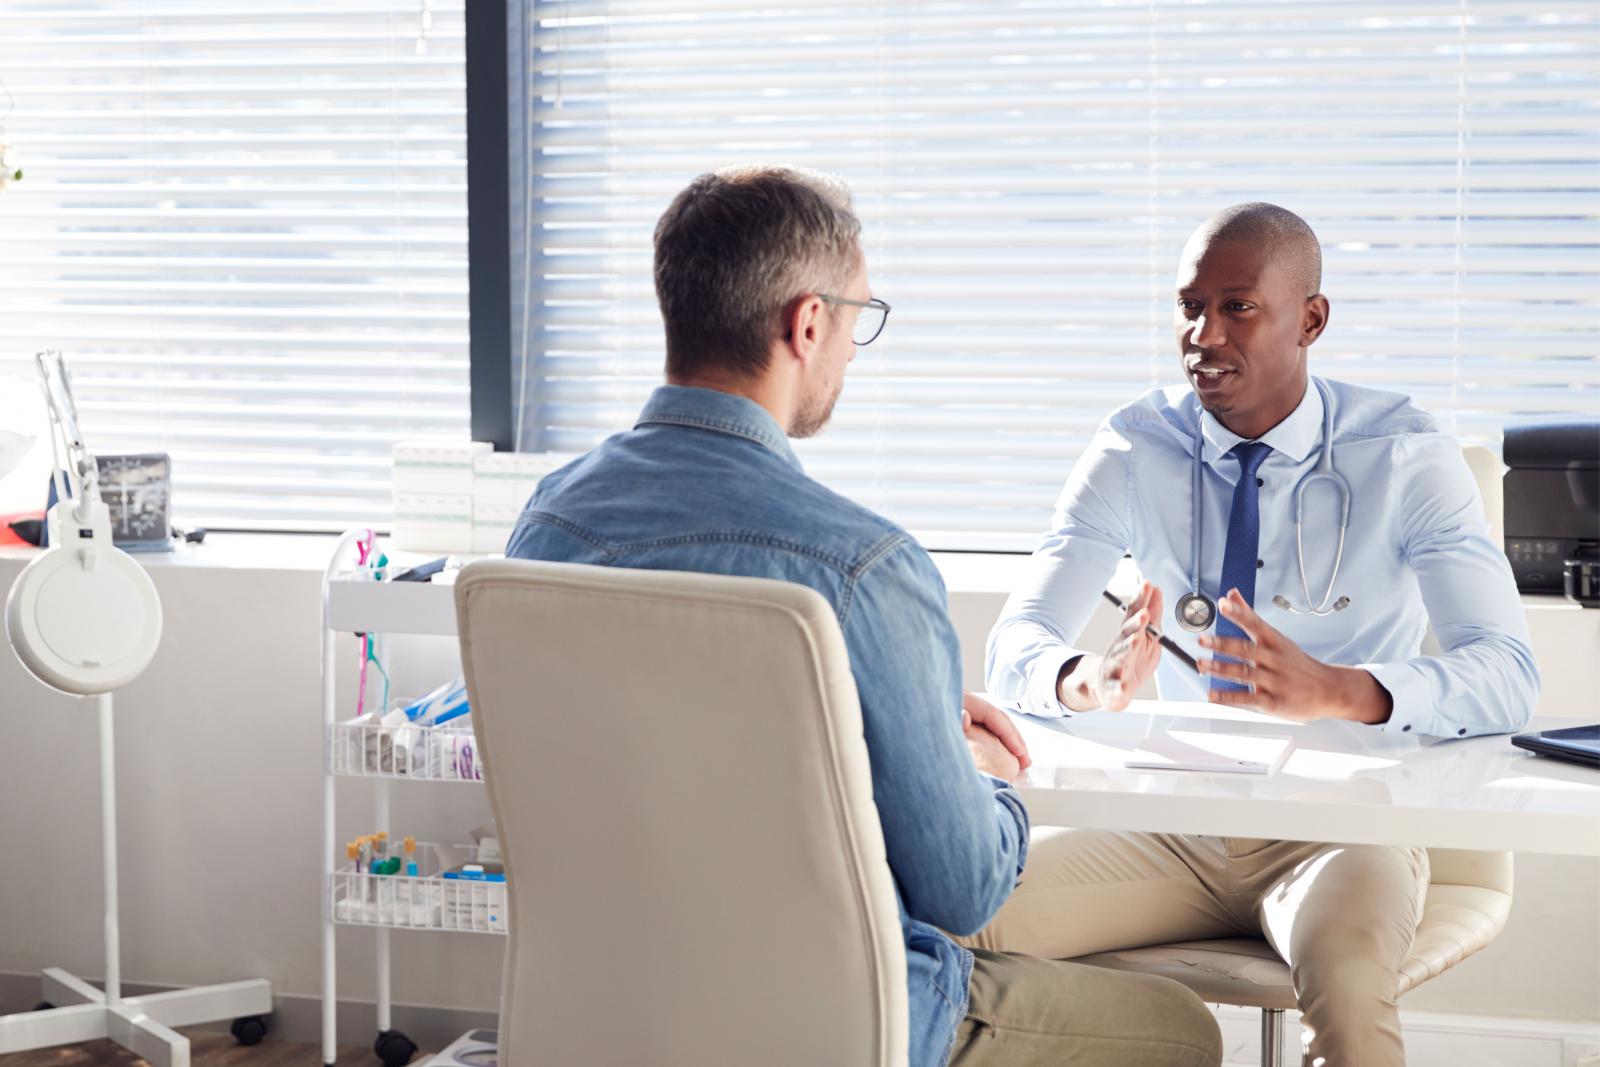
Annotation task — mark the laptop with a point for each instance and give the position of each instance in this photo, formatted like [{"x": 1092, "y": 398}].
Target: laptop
[{"x": 1576, "y": 744}]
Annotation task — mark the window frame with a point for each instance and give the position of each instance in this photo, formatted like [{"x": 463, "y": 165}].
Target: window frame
[{"x": 489, "y": 222}]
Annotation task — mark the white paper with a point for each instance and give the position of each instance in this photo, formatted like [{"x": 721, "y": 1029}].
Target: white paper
[{"x": 1214, "y": 753}]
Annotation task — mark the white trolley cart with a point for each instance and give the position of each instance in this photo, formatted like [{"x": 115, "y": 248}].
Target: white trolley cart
[{"x": 354, "y": 604}]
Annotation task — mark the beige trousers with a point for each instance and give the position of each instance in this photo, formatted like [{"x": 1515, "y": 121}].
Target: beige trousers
[
  {"x": 1342, "y": 916},
  {"x": 1028, "y": 1012}
]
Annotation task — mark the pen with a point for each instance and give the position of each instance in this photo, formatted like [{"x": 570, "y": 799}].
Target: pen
[{"x": 1166, "y": 642}]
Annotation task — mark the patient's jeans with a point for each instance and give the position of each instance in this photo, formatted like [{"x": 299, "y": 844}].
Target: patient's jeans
[{"x": 1342, "y": 916}]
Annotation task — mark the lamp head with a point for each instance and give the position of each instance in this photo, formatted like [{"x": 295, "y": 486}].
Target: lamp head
[{"x": 83, "y": 617}]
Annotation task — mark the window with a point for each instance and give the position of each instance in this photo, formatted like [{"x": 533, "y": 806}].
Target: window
[
  {"x": 245, "y": 227},
  {"x": 1027, "y": 172}
]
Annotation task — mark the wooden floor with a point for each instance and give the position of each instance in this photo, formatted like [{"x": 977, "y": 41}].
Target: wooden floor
[{"x": 207, "y": 1049}]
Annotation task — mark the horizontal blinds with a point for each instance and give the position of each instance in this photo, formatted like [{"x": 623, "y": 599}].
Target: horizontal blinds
[
  {"x": 245, "y": 227},
  {"x": 1027, "y": 172}
]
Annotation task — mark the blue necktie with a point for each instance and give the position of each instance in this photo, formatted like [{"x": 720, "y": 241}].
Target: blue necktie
[{"x": 1244, "y": 539}]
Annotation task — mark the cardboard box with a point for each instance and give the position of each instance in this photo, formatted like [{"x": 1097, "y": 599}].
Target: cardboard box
[
  {"x": 432, "y": 522},
  {"x": 492, "y": 525},
  {"x": 436, "y": 466},
  {"x": 509, "y": 478}
]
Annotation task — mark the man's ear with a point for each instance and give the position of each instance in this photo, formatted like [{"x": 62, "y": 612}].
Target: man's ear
[
  {"x": 1315, "y": 320},
  {"x": 804, "y": 326}
]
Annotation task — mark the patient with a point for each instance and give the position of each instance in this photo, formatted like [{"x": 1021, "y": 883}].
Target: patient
[{"x": 763, "y": 289}]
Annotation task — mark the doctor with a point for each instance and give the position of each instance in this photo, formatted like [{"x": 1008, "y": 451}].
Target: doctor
[{"x": 1298, "y": 536}]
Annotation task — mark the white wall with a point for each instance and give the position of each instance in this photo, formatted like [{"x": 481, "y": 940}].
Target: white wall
[{"x": 219, "y": 746}]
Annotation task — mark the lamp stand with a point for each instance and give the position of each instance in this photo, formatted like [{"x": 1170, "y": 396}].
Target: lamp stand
[{"x": 144, "y": 1025}]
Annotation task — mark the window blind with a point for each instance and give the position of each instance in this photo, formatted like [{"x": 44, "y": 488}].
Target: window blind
[
  {"x": 245, "y": 227},
  {"x": 1027, "y": 172}
]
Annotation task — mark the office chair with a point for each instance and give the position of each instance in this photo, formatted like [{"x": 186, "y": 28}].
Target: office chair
[
  {"x": 695, "y": 868},
  {"x": 1469, "y": 897}
]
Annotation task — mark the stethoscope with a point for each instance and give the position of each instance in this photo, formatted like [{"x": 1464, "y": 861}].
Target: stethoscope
[{"x": 1196, "y": 611}]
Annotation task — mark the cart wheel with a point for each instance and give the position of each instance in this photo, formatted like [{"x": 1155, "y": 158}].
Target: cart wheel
[
  {"x": 44, "y": 1005},
  {"x": 394, "y": 1048},
  {"x": 249, "y": 1029}
]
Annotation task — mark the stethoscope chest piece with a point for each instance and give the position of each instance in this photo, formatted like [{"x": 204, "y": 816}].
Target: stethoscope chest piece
[{"x": 1196, "y": 612}]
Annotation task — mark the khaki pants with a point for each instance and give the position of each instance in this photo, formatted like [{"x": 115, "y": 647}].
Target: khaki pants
[
  {"x": 1342, "y": 916},
  {"x": 1027, "y": 1012}
]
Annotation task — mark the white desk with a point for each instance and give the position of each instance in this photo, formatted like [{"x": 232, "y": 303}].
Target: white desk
[{"x": 1341, "y": 783}]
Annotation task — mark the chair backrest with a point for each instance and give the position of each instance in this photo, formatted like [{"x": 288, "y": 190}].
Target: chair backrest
[
  {"x": 1481, "y": 870},
  {"x": 695, "y": 867}
]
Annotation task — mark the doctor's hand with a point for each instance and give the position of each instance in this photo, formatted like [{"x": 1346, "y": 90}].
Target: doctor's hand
[
  {"x": 1111, "y": 679},
  {"x": 976, "y": 711},
  {"x": 1283, "y": 680}
]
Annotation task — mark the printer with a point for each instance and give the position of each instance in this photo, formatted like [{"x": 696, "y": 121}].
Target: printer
[{"x": 1552, "y": 508}]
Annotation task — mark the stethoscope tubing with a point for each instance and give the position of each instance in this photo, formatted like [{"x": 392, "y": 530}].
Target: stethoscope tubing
[{"x": 1324, "y": 471}]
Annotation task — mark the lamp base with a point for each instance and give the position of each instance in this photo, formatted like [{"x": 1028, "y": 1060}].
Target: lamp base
[{"x": 144, "y": 1025}]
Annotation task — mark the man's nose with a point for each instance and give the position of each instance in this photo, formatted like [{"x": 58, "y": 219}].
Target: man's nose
[{"x": 1207, "y": 331}]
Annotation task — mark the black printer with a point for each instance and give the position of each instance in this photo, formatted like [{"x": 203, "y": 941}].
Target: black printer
[{"x": 1552, "y": 506}]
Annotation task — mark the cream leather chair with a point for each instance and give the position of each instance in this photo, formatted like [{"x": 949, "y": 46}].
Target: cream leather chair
[
  {"x": 1469, "y": 897},
  {"x": 695, "y": 865}
]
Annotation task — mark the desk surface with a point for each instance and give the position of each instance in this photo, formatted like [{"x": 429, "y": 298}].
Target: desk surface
[{"x": 1341, "y": 782}]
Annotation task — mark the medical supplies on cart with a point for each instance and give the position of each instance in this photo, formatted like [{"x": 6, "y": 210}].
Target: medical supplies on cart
[
  {"x": 421, "y": 885},
  {"x": 430, "y": 737}
]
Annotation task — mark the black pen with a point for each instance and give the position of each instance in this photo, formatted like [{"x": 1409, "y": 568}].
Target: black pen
[{"x": 1166, "y": 642}]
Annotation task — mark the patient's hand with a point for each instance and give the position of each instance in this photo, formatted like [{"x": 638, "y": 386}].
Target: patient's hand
[
  {"x": 989, "y": 753},
  {"x": 975, "y": 709}
]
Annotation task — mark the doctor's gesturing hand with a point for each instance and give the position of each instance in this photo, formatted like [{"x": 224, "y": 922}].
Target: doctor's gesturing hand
[
  {"x": 1111, "y": 679},
  {"x": 1283, "y": 680}
]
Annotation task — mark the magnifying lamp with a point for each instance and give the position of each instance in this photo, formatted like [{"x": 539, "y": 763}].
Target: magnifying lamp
[{"x": 83, "y": 617}]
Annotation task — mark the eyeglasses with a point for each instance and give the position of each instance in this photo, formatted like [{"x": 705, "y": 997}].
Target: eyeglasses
[{"x": 869, "y": 324}]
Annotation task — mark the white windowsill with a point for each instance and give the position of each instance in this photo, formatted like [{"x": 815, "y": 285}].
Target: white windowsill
[{"x": 964, "y": 572}]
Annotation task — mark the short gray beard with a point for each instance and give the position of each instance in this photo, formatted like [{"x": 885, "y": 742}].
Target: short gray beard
[{"x": 814, "y": 415}]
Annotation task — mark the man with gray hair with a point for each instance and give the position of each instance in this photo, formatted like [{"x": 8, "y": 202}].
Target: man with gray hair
[{"x": 764, "y": 295}]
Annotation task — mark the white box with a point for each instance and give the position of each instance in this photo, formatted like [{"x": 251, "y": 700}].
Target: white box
[
  {"x": 432, "y": 522},
  {"x": 472, "y": 1049},
  {"x": 440, "y": 466},
  {"x": 492, "y": 525},
  {"x": 509, "y": 478},
  {"x": 473, "y": 905}
]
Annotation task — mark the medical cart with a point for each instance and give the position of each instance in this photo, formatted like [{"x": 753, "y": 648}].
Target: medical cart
[{"x": 354, "y": 603}]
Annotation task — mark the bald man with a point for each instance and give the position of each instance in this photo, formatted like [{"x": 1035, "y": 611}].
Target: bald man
[{"x": 1317, "y": 636}]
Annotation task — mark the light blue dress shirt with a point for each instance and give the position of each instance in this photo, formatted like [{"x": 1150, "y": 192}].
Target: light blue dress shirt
[
  {"x": 707, "y": 482},
  {"x": 1417, "y": 551}
]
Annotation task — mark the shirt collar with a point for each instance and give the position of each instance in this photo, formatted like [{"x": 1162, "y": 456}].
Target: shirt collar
[
  {"x": 719, "y": 412},
  {"x": 1295, "y": 436}
]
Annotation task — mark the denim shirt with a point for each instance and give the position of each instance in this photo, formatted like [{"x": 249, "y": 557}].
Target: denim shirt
[{"x": 706, "y": 481}]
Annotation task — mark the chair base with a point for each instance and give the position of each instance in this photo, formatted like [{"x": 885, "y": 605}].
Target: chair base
[
  {"x": 1272, "y": 1050},
  {"x": 142, "y": 1025}
]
